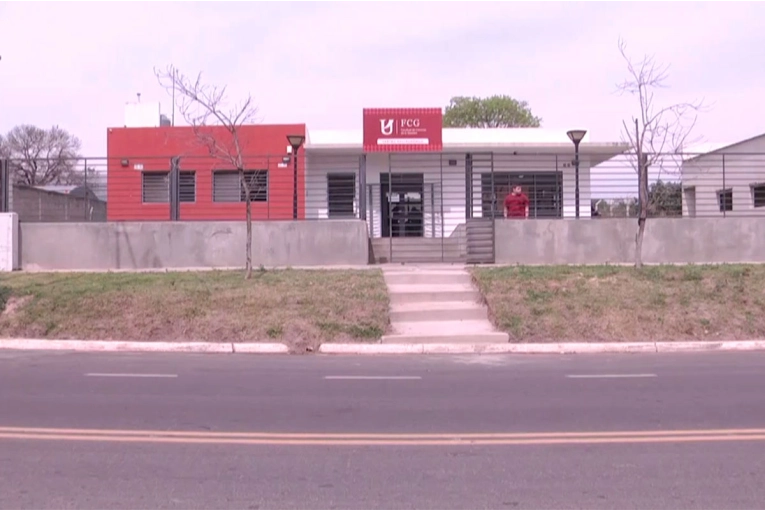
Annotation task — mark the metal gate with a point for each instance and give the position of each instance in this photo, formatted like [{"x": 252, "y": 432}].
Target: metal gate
[
  {"x": 422, "y": 209},
  {"x": 480, "y": 227}
]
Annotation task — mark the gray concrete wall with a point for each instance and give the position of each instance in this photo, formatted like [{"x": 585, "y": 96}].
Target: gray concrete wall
[
  {"x": 187, "y": 244},
  {"x": 612, "y": 241}
]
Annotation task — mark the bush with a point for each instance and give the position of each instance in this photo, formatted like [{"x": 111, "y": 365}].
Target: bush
[{"x": 5, "y": 295}]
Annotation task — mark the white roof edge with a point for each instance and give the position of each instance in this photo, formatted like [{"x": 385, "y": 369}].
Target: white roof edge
[
  {"x": 466, "y": 138},
  {"x": 584, "y": 147}
]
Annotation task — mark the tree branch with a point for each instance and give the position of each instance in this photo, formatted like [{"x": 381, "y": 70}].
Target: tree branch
[
  {"x": 203, "y": 107},
  {"x": 658, "y": 132}
]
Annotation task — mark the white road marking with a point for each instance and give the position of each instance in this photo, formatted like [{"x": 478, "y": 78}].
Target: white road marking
[
  {"x": 372, "y": 377},
  {"x": 609, "y": 376},
  {"x": 94, "y": 374}
]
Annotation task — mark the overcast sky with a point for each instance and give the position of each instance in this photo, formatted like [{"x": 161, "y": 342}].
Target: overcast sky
[{"x": 76, "y": 64}]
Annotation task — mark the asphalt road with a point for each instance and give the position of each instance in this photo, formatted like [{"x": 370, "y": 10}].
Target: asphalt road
[{"x": 220, "y": 431}]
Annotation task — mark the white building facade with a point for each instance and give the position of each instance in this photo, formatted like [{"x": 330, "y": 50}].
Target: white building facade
[
  {"x": 435, "y": 195},
  {"x": 725, "y": 180}
]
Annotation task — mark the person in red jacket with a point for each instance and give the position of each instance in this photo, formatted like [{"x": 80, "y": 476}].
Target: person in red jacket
[{"x": 517, "y": 204}]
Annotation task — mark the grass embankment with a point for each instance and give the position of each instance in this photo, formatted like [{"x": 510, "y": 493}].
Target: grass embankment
[
  {"x": 609, "y": 303},
  {"x": 300, "y": 308}
]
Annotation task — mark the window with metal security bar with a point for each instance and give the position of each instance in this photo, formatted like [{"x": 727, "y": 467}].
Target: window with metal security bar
[
  {"x": 544, "y": 189},
  {"x": 725, "y": 200},
  {"x": 187, "y": 186},
  {"x": 155, "y": 187},
  {"x": 228, "y": 186},
  {"x": 758, "y": 195},
  {"x": 341, "y": 194}
]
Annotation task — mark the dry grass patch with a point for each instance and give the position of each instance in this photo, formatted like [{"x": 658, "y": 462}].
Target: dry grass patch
[
  {"x": 299, "y": 307},
  {"x": 607, "y": 303}
]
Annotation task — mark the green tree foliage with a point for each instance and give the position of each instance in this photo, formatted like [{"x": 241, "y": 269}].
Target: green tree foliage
[
  {"x": 489, "y": 112},
  {"x": 665, "y": 199}
]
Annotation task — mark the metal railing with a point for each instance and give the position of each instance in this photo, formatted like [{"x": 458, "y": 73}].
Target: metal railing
[{"x": 399, "y": 195}]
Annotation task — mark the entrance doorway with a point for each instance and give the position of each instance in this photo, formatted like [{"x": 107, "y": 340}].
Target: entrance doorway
[{"x": 401, "y": 198}]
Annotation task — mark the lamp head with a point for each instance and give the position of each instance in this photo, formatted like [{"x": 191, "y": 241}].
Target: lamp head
[
  {"x": 295, "y": 141},
  {"x": 576, "y": 135}
]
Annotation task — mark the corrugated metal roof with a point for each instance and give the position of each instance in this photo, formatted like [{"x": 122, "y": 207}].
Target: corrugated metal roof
[{"x": 57, "y": 188}]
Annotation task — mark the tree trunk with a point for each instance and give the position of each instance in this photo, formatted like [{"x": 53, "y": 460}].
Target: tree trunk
[
  {"x": 643, "y": 208},
  {"x": 248, "y": 245},
  {"x": 639, "y": 243},
  {"x": 248, "y": 221}
]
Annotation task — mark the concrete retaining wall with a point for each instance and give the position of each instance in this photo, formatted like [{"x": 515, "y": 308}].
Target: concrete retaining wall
[
  {"x": 9, "y": 240},
  {"x": 667, "y": 241},
  {"x": 157, "y": 245},
  {"x": 186, "y": 244}
]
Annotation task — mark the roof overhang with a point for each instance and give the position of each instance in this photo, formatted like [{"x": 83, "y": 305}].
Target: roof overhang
[{"x": 597, "y": 153}]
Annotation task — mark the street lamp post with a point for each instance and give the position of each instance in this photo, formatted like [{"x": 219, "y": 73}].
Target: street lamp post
[
  {"x": 576, "y": 136},
  {"x": 295, "y": 142}
]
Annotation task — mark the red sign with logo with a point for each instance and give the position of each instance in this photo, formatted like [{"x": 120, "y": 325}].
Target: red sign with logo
[{"x": 403, "y": 129}]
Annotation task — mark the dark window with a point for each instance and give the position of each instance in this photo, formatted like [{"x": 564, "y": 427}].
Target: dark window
[
  {"x": 155, "y": 187},
  {"x": 725, "y": 200},
  {"x": 341, "y": 193},
  {"x": 229, "y": 187},
  {"x": 544, "y": 189},
  {"x": 758, "y": 195}
]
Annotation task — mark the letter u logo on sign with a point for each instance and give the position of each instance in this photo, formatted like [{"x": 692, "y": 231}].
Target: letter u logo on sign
[{"x": 386, "y": 126}]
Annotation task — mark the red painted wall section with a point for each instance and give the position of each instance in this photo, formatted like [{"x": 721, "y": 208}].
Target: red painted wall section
[{"x": 264, "y": 147}]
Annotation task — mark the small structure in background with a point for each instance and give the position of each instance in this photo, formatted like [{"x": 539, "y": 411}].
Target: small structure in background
[{"x": 57, "y": 203}]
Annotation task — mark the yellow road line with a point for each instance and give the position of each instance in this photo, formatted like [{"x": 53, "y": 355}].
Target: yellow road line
[
  {"x": 377, "y": 436},
  {"x": 384, "y": 442}
]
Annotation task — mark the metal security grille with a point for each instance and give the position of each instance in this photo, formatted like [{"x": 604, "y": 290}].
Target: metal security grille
[
  {"x": 341, "y": 195},
  {"x": 155, "y": 187},
  {"x": 187, "y": 184},
  {"x": 480, "y": 230},
  {"x": 544, "y": 189},
  {"x": 228, "y": 187}
]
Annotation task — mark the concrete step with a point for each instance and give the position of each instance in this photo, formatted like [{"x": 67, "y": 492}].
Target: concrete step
[
  {"x": 439, "y": 311},
  {"x": 431, "y": 293},
  {"x": 480, "y": 338},
  {"x": 443, "y": 328},
  {"x": 427, "y": 277},
  {"x": 424, "y": 267}
]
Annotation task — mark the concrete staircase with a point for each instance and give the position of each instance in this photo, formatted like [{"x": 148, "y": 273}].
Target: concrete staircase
[
  {"x": 436, "y": 304},
  {"x": 420, "y": 250}
]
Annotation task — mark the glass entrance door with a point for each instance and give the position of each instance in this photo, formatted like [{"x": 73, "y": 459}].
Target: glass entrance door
[{"x": 402, "y": 205}]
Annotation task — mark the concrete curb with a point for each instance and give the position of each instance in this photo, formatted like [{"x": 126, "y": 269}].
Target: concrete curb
[
  {"x": 331, "y": 348},
  {"x": 551, "y": 348},
  {"x": 116, "y": 346}
]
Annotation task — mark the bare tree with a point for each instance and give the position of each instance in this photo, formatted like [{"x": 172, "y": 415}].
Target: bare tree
[
  {"x": 657, "y": 135},
  {"x": 216, "y": 127},
  {"x": 41, "y": 156}
]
